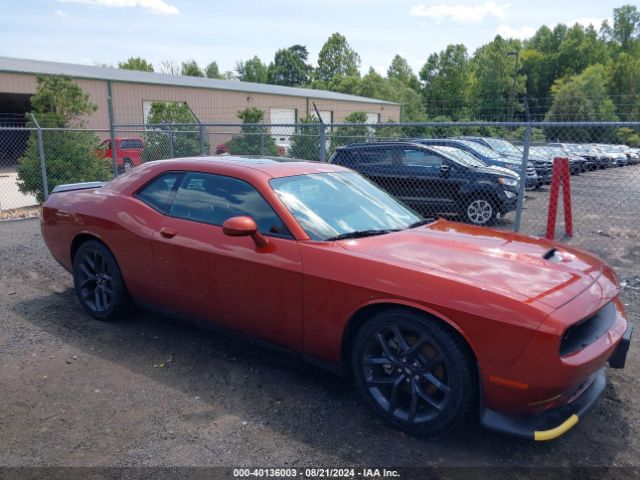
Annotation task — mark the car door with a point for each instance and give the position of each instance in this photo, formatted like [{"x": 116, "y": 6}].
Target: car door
[
  {"x": 204, "y": 273},
  {"x": 428, "y": 185},
  {"x": 383, "y": 165}
]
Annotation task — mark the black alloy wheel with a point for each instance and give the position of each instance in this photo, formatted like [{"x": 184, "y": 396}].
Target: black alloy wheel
[
  {"x": 98, "y": 281},
  {"x": 414, "y": 372}
]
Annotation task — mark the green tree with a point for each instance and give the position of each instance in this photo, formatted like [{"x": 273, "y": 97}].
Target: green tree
[
  {"x": 290, "y": 67},
  {"x": 626, "y": 27},
  {"x": 254, "y": 139},
  {"x": 351, "y": 133},
  {"x": 212, "y": 71},
  {"x": 374, "y": 85},
  {"x": 401, "y": 71},
  {"x": 447, "y": 78},
  {"x": 623, "y": 84},
  {"x": 60, "y": 102},
  {"x": 305, "y": 143},
  {"x": 70, "y": 155},
  {"x": 136, "y": 63},
  {"x": 493, "y": 89},
  {"x": 191, "y": 69},
  {"x": 172, "y": 132},
  {"x": 336, "y": 60},
  {"x": 582, "y": 98},
  {"x": 253, "y": 70}
]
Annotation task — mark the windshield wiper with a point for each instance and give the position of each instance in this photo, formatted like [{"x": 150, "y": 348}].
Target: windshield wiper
[
  {"x": 419, "y": 223},
  {"x": 359, "y": 234}
]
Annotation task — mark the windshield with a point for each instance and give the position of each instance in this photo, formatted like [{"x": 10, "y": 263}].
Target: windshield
[
  {"x": 502, "y": 146},
  {"x": 330, "y": 204},
  {"x": 547, "y": 151},
  {"x": 459, "y": 155},
  {"x": 481, "y": 149}
]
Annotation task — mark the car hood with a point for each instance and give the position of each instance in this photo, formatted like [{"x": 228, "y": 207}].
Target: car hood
[{"x": 488, "y": 258}]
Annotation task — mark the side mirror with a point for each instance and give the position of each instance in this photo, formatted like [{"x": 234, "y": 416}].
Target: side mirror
[
  {"x": 244, "y": 227},
  {"x": 444, "y": 170}
]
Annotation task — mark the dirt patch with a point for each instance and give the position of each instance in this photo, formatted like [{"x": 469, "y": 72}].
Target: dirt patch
[{"x": 150, "y": 390}]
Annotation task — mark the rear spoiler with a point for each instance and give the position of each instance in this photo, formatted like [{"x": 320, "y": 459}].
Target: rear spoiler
[{"x": 78, "y": 186}]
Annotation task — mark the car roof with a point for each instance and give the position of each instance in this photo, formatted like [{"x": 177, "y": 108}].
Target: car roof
[
  {"x": 272, "y": 166},
  {"x": 254, "y": 169},
  {"x": 390, "y": 143}
]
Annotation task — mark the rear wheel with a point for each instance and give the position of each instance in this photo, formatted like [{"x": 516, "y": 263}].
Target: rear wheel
[
  {"x": 98, "y": 282},
  {"x": 480, "y": 211},
  {"x": 414, "y": 373},
  {"x": 127, "y": 164}
]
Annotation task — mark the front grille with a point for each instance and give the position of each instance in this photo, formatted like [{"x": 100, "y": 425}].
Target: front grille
[{"x": 584, "y": 333}]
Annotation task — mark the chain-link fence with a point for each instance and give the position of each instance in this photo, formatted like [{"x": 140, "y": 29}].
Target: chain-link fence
[{"x": 496, "y": 174}]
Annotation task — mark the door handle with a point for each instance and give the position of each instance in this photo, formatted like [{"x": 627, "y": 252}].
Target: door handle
[{"x": 168, "y": 232}]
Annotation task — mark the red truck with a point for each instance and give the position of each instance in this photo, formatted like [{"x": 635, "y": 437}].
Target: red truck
[{"x": 128, "y": 152}]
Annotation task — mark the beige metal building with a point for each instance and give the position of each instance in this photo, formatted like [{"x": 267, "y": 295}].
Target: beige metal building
[{"x": 212, "y": 101}]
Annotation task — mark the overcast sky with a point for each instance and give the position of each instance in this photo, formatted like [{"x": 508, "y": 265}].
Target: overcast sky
[{"x": 107, "y": 31}]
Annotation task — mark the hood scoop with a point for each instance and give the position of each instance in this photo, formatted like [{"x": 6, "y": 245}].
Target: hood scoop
[{"x": 553, "y": 255}]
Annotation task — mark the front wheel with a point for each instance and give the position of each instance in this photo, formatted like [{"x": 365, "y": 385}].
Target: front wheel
[
  {"x": 480, "y": 211},
  {"x": 414, "y": 373},
  {"x": 98, "y": 282}
]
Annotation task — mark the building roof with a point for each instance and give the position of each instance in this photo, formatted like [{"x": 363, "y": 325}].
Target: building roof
[{"x": 21, "y": 65}]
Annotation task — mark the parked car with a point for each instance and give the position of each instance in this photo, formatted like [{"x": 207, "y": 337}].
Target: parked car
[
  {"x": 594, "y": 159},
  {"x": 129, "y": 152},
  {"x": 488, "y": 156},
  {"x": 620, "y": 158},
  {"x": 435, "y": 179},
  {"x": 577, "y": 164},
  {"x": 541, "y": 163},
  {"x": 434, "y": 321}
]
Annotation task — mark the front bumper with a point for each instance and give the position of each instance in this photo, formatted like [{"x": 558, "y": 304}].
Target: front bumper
[
  {"x": 551, "y": 423},
  {"x": 619, "y": 356}
]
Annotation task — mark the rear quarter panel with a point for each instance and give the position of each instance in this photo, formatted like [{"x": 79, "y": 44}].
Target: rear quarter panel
[{"x": 123, "y": 224}]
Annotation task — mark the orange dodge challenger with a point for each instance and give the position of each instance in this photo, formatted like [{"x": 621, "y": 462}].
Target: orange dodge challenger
[{"x": 435, "y": 321}]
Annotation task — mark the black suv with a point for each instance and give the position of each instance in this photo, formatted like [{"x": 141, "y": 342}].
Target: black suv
[{"x": 434, "y": 179}]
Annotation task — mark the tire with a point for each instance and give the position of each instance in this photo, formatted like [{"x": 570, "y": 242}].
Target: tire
[
  {"x": 98, "y": 282},
  {"x": 127, "y": 165},
  {"x": 425, "y": 384},
  {"x": 480, "y": 211}
]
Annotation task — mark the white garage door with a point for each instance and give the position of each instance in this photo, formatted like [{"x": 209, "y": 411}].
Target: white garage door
[
  {"x": 373, "y": 117},
  {"x": 325, "y": 115},
  {"x": 282, "y": 115}
]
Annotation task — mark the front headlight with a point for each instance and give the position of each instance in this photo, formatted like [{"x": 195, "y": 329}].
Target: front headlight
[{"x": 509, "y": 182}]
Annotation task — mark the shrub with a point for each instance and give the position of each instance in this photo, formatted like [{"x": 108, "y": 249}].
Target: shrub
[{"x": 70, "y": 158}]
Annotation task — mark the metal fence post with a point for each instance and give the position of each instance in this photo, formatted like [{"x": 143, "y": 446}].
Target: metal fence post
[
  {"x": 172, "y": 153},
  {"x": 323, "y": 143},
  {"x": 112, "y": 132},
  {"x": 202, "y": 145},
  {"x": 261, "y": 142},
  {"x": 43, "y": 162},
  {"x": 523, "y": 177}
]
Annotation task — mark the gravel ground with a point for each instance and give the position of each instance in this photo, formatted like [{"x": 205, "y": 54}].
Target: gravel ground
[{"x": 150, "y": 390}]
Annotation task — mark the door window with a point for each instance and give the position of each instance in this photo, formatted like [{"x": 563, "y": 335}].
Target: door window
[
  {"x": 212, "y": 199},
  {"x": 421, "y": 158}
]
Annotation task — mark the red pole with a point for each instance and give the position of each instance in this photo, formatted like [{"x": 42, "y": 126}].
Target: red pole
[
  {"x": 553, "y": 201},
  {"x": 566, "y": 191},
  {"x": 560, "y": 176}
]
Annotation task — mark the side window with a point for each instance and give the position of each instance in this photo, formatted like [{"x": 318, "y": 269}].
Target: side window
[
  {"x": 420, "y": 158},
  {"x": 160, "y": 192},
  {"x": 380, "y": 157},
  {"x": 131, "y": 143},
  {"x": 209, "y": 198}
]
